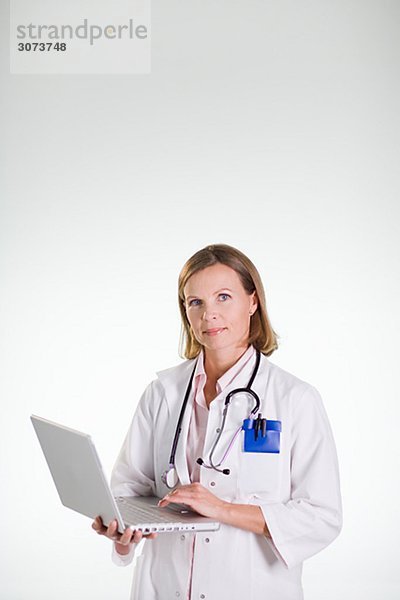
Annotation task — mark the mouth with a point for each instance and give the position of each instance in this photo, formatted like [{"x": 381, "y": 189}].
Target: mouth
[{"x": 214, "y": 331}]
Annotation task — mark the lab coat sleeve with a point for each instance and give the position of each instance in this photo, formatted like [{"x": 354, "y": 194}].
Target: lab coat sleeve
[
  {"x": 126, "y": 559},
  {"x": 133, "y": 472},
  {"x": 312, "y": 518}
]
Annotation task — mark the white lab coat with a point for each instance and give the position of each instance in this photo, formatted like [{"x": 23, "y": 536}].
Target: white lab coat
[{"x": 298, "y": 491}]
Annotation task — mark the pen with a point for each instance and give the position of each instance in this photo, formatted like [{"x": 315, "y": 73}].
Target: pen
[
  {"x": 264, "y": 427},
  {"x": 256, "y": 428}
]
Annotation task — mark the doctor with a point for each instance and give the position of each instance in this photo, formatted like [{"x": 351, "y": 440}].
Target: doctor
[{"x": 277, "y": 505}]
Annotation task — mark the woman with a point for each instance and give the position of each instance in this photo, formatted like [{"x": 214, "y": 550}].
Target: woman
[{"x": 276, "y": 507}]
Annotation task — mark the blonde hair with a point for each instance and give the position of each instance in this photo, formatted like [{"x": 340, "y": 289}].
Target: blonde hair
[{"x": 261, "y": 336}]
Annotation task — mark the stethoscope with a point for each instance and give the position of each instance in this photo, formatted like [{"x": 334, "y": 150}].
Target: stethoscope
[{"x": 170, "y": 476}]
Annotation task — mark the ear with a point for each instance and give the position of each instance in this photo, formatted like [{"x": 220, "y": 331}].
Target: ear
[{"x": 253, "y": 303}]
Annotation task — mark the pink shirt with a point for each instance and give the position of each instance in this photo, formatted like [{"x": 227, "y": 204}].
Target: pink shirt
[{"x": 199, "y": 418}]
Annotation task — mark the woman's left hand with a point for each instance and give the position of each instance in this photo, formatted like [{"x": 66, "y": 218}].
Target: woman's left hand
[{"x": 198, "y": 498}]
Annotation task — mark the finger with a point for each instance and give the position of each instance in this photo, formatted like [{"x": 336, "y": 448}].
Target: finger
[
  {"x": 180, "y": 496},
  {"x": 98, "y": 526},
  {"x": 137, "y": 536},
  {"x": 112, "y": 530},
  {"x": 174, "y": 495},
  {"x": 164, "y": 502},
  {"x": 126, "y": 537}
]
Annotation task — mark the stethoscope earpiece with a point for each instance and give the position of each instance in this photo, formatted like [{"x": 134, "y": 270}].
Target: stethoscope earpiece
[{"x": 201, "y": 462}]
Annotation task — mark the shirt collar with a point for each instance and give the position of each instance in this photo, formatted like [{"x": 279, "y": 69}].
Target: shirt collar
[{"x": 227, "y": 377}]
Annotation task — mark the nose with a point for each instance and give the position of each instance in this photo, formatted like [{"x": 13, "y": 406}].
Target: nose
[{"x": 209, "y": 314}]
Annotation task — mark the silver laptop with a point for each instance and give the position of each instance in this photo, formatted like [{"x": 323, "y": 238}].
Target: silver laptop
[{"x": 82, "y": 486}]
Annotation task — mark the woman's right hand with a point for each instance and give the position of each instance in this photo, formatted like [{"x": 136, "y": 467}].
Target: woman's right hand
[{"x": 123, "y": 541}]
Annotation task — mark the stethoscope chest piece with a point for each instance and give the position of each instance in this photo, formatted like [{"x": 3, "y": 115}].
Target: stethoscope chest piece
[{"x": 170, "y": 477}]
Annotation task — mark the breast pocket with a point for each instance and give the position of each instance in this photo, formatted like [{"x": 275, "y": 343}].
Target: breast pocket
[{"x": 259, "y": 472}]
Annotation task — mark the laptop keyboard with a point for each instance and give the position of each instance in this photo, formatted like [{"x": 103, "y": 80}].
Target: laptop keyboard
[
  {"x": 144, "y": 515},
  {"x": 176, "y": 517}
]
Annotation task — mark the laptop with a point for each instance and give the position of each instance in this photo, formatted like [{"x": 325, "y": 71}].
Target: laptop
[{"x": 82, "y": 486}]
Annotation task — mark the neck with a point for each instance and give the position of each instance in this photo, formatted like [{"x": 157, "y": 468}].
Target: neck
[{"x": 218, "y": 362}]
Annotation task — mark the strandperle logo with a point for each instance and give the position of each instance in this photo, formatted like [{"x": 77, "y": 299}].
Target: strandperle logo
[
  {"x": 85, "y": 31},
  {"x": 67, "y": 37}
]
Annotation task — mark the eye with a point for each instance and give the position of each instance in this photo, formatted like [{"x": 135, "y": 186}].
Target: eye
[
  {"x": 194, "y": 302},
  {"x": 224, "y": 297}
]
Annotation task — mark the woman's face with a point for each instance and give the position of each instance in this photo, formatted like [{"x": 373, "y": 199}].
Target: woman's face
[{"x": 218, "y": 308}]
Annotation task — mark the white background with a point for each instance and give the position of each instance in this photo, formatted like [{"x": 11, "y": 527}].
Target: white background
[{"x": 271, "y": 126}]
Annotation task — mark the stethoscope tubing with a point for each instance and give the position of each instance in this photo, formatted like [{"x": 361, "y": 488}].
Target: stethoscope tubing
[
  {"x": 180, "y": 419},
  {"x": 228, "y": 398}
]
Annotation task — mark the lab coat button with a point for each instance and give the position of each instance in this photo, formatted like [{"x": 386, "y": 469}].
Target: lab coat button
[
  {"x": 182, "y": 537},
  {"x": 202, "y": 595},
  {"x": 177, "y": 594},
  {"x": 207, "y": 540},
  {"x": 217, "y": 430},
  {"x": 212, "y": 483}
]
